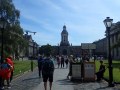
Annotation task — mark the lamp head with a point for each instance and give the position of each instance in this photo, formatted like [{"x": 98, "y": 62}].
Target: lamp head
[{"x": 108, "y": 22}]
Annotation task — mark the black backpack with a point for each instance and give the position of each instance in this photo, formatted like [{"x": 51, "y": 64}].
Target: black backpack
[{"x": 48, "y": 66}]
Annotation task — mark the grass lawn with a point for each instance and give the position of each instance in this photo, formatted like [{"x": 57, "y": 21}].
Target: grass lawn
[
  {"x": 116, "y": 69},
  {"x": 22, "y": 66}
]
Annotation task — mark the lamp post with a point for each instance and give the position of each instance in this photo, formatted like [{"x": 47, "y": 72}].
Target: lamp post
[
  {"x": 2, "y": 27},
  {"x": 108, "y": 24},
  {"x": 33, "y": 49},
  {"x": 33, "y": 55}
]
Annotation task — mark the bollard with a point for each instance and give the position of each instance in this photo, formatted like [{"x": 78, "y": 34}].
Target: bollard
[{"x": 32, "y": 65}]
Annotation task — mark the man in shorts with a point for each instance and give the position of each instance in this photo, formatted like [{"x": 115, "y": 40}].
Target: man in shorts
[{"x": 47, "y": 71}]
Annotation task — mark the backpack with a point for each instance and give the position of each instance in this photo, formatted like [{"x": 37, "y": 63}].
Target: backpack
[{"x": 48, "y": 67}]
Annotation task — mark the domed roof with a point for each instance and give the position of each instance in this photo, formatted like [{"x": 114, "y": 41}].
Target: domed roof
[
  {"x": 64, "y": 30},
  {"x": 64, "y": 26}
]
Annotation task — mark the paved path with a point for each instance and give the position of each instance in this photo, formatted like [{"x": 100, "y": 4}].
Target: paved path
[
  {"x": 27, "y": 81},
  {"x": 60, "y": 81},
  {"x": 31, "y": 81}
]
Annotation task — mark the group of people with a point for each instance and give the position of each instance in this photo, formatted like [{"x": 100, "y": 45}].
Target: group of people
[
  {"x": 45, "y": 67},
  {"x": 6, "y": 72},
  {"x": 61, "y": 60},
  {"x": 72, "y": 59}
]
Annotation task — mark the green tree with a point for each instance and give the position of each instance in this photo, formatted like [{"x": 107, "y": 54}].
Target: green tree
[
  {"x": 13, "y": 33},
  {"x": 45, "y": 49}
]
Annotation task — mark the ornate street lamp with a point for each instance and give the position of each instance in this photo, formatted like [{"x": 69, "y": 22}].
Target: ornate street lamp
[
  {"x": 33, "y": 49},
  {"x": 3, "y": 24},
  {"x": 108, "y": 24},
  {"x": 33, "y": 55}
]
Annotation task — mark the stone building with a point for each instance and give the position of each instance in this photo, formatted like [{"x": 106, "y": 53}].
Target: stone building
[
  {"x": 102, "y": 44},
  {"x": 101, "y": 47},
  {"x": 32, "y": 49},
  {"x": 114, "y": 37},
  {"x": 64, "y": 48}
]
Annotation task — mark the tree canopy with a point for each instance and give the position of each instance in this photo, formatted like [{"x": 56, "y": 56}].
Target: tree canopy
[
  {"x": 45, "y": 49},
  {"x": 13, "y": 33}
]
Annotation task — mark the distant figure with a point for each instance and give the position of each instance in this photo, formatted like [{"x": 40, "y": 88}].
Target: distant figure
[
  {"x": 62, "y": 62},
  {"x": 66, "y": 61},
  {"x": 40, "y": 59},
  {"x": 47, "y": 71},
  {"x": 101, "y": 71},
  {"x": 58, "y": 61}
]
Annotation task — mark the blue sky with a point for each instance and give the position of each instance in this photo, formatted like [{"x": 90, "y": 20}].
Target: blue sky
[{"x": 83, "y": 19}]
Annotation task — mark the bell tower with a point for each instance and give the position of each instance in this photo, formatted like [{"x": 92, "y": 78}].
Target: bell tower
[{"x": 64, "y": 37}]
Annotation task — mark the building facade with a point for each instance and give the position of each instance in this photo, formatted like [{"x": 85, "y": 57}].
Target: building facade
[
  {"x": 101, "y": 47},
  {"x": 64, "y": 48},
  {"x": 114, "y": 37},
  {"x": 102, "y": 44},
  {"x": 32, "y": 49}
]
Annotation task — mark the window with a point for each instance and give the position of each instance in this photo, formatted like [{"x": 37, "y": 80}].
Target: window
[
  {"x": 117, "y": 51},
  {"x": 116, "y": 37}
]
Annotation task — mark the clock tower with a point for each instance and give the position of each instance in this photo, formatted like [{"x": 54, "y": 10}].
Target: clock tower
[{"x": 64, "y": 37}]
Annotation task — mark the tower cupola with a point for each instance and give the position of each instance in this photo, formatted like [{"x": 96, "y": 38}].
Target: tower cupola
[{"x": 64, "y": 37}]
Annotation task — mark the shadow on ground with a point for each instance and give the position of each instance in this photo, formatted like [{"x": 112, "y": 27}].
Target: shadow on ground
[
  {"x": 30, "y": 79},
  {"x": 67, "y": 82}
]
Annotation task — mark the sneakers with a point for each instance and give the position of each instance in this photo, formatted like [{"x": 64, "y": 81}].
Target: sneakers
[
  {"x": 2, "y": 88},
  {"x": 8, "y": 87}
]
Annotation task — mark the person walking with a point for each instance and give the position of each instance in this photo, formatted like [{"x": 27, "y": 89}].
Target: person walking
[
  {"x": 58, "y": 61},
  {"x": 66, "y": 61},
  {"x": 62, "y": 61},
  {"x": 40, "y": 59},
  {"x": 47, "y": 71},
  {"x": 71, "y": 60}
]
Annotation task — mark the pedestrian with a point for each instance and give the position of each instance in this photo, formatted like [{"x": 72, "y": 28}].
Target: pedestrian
[
  {"x": 62, "y": 61},
  {"x": 71, "y": 60},
  {"x": 9, "y": 60},
  {"x": 40, "y": 59},
  {"x": 47, "y": 71},
  {"x": 6, "y": 73},
  {"x": 66, "y": 61},
  {"x": 101, "y": 71},
  {"x": 58, "y": 61}
]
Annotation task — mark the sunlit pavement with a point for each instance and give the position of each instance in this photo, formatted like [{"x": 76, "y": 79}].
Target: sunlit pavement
[
  {"x": 60, "y": 81},
  {"x": 27, "y": 81}
]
